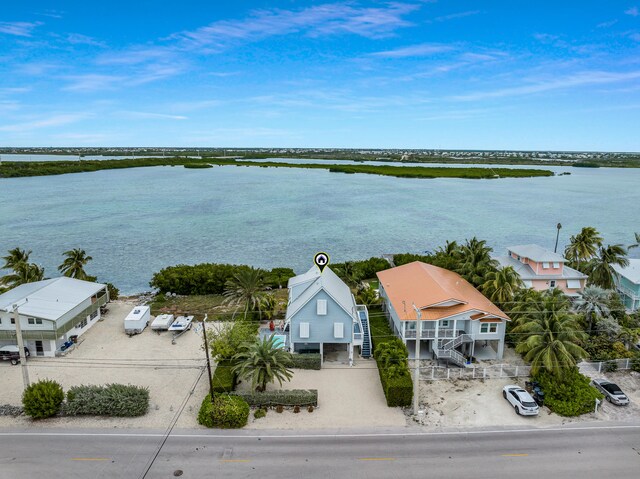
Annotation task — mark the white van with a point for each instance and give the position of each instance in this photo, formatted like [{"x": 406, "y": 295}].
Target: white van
[{"x": 137, "y": 320}]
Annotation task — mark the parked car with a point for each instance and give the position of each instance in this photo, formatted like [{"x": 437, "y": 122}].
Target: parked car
[
  {"x": 521, "y": 400},
  {"x": 611, "y": 391},
  {"x": 12, "y": 353}
]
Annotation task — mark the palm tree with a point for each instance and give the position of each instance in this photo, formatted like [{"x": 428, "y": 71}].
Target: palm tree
[
  {"x": 348, "y": 272},
  {"x": 476, "y": 261},
  {"x": 368, "y": 296},
  {"x": 74, "y": 263},
  {"x": 549, "y": 342},
  {"x": 268, "y": 306},
  {"x": 15, "y": 257},
  {"x": 593, "y": 303},
  {"x": 23, "y": 273},
  {"x": 247, "y": 289},
  {"x": 637, "y": 243},
  {"x": 450, "y": 248},
  {"x": 601, "y": 271},
  {"x": 583, "y": 246},
  {"x": 263, "y": 362},
  {"x": 501, "y": 286}
]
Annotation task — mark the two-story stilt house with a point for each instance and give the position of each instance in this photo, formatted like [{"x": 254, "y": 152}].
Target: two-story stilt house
[{"x": 451, "y": 319}]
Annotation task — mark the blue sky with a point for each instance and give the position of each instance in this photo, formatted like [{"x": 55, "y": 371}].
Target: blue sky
[{"x": 353, "y": 74}]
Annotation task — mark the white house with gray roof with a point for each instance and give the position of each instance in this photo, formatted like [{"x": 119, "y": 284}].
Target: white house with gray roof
[
  {"x": 542, "y": 269},
  {"x": 323, "y": 317},
  {"x": 50, "y": 312}
]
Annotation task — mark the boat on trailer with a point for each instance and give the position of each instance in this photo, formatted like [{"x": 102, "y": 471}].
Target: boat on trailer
[{"x": 181, "y": 325}]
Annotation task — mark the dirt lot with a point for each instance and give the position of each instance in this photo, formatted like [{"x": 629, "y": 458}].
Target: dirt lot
[{"x": 479, "y": 403}]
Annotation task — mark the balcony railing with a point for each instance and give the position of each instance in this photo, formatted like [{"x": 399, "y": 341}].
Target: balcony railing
[{"x": 431, "y": 333}]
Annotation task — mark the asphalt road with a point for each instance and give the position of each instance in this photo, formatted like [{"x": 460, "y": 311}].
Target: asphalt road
[{"x": 598, "y": 452}]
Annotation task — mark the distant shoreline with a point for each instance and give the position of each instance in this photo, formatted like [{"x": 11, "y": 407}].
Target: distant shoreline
[{"x": 19, "y": 169}]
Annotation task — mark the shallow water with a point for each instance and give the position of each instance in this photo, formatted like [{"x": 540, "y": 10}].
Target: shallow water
[{"x": 136, "y": 221}]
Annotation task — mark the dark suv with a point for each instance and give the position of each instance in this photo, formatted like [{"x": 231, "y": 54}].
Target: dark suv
[{"x": 12, "y": 353}]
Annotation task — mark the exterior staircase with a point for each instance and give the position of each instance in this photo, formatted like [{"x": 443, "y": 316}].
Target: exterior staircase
[
  {"x": 363, "y": 315},
  {"x": 447, "y": 349}
]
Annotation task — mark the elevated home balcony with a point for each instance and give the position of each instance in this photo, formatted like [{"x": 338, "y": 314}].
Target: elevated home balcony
[
  {"x": 430, "y": 333},
  {"x": 628, "y": 292}
]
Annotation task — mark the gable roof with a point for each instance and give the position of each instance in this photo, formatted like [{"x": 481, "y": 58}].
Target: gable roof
[
  {"x": 537, "y": 253},
  {"x": 327, "y": 281},
  {"x": 631, "y": 272},
  {"x": 427, "y": 287},
  {"x": 49, "y": 299}
]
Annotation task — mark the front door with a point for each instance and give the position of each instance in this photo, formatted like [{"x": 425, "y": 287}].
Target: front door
[{"x": 39, "y": 348}]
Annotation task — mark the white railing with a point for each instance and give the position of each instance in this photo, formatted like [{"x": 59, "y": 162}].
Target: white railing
[
  {"x": 628, "y": 292},
  {"x": 497, "y": 371},
  {"x": 598, "y": 367},
  {"x": 431, "y": 334}
]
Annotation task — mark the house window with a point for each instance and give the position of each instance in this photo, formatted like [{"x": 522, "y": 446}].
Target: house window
[
  {"x": 321, "y": 307},
  {"x": 552, "y": 283},
  {"x": 338, "y": 330},
  {"x": 34, "y": 320},
  {"x": 545, "y": 265},
  {"x": 444, "y": 323},
  {"x": 304, "y": 330},
  {"x": 489, "y": 328},
  {"x": 93, "y": 315},
  {"x": 13, "y": 321},
  {"x": 556, "y": 265},
  {"x": 82, "y": 324}
]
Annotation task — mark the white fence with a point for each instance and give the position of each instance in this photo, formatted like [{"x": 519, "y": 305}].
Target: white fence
[
  {"x": 604, "y": 366},
  {"x": 496, "y": 371}
]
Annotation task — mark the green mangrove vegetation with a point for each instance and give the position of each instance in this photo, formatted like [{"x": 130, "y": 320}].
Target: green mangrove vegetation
[{"x": 14, "y": 169}]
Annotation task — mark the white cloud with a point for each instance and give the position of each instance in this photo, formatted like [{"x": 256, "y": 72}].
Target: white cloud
[
  {"x": 79, "y": 39},
  {"x": 577, "y": 80},
  {"x": 425, "y": 49},
  {"x": 93, "y": 82},
  {"x": 633, "y": 11},
  {"x": 151, "y": 116},
  {"x": 52, "y": 121},
  {"x": 453, "y": 16},
  {"x": 20, "y": 29}
]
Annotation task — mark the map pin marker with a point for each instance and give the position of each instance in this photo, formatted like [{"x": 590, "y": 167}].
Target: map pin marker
[{"x": 321, "y": 260}]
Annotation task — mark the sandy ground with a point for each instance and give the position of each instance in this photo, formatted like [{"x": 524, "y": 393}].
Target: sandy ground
[
  {"x": 347, "y": 398},
  {"x": 107, "y": 355}
]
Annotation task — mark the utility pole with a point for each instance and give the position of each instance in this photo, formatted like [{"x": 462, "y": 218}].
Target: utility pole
[
  {"x": 416, "y": 377},
  {"x": 206, "y": 350},
  {"x": 555, "y": 250},
  {"x": 23, "y": 357}
]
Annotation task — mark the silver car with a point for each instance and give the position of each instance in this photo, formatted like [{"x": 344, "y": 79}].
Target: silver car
[
  {"x": 611, "y": 391},
  {"x": 521, "y": 400}
]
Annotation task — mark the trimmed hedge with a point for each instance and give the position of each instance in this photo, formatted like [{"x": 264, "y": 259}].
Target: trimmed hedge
[
  {"x": 290, "y": 397},
  {"x": 225, "y": 412},
  {"x": 398, "y": 390},
  {"x": 307, "y": 361},
  {"x": 42, "y": 399},
  {"x": 224, "y": 380},
  {"x": 569, "y": 396},
  {"x": 114, "y": 400}
]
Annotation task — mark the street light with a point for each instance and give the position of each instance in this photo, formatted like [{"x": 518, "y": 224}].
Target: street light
[{"x": 555, "y": 250}]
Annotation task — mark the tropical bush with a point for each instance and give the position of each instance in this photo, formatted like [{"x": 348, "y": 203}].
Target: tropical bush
[
  {"x": 635, "y": 365},
  {"x": 263, "y": 362},
  {"x": 602, "y": 348},
  {"x": 114, "y": 292},
  {"x": 572, "y": 395},
  {"x": 225, "y": 412},
  {"x": 116, "y": 400},
  {"x": 42, "y": 399},
  {"x": 259, "y": 413},
  {"x": 306, "y": 361},
  {"x": 209, "y": 278},
  {"x": 231, "y": 338},
  {"x": 224, "y": 380},
  {"x": 391, "y": 357},
  {"x": 280, "y": 397}
]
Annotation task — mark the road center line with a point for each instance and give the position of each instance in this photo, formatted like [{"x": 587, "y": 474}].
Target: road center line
[
  {"x": 515, "y": 455},
  {"x": 376, "y": 458},
  {"x": 89, "y": 458},
  {"x": 235, "y": 460}
]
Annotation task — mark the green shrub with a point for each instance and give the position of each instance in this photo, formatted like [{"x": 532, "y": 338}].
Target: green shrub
[
  {"x": 205, "y": 414},
  {"x": 284, "y": 397},
  {"x": 260, "y": 413},
  {"x": 391, "y": 356},
  {"x": 569, "y": 396},
  {"x": 113, "y": 400},
  {"x": 229, "y": 340},
  {"x": 114, "y": 292},
  {"x": 610, "y": 366},
  {"x": 42, "y": 399},
  {"x": 226, "y": 412},
  {"x": 306, "y": 361},
  {"x": 224, "y": 380}
]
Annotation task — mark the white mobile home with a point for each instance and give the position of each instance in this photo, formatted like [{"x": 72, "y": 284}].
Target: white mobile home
[
  {"x": 137, "y": 320},
  {"x": 162, "y": 322},
  {"x": 51, "y": 312}
]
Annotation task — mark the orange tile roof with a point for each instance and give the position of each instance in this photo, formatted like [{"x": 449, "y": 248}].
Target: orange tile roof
[{"x": 427, "y": 286}]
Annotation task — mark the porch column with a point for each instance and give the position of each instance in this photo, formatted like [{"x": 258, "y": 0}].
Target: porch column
[
  {"x": 404, "y": 327},
  {"x": 321, "y": 354},
  {"x": 437, "y": 327},
  {"x": 455, "y": 328},
  {"x": 350, "y": 354}
]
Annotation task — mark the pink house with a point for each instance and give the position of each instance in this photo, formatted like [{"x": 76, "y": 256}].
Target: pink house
[{"x": 542, "y": 269}]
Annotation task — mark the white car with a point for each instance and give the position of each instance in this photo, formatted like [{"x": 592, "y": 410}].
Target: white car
[{"x": 521, "y": 400}]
